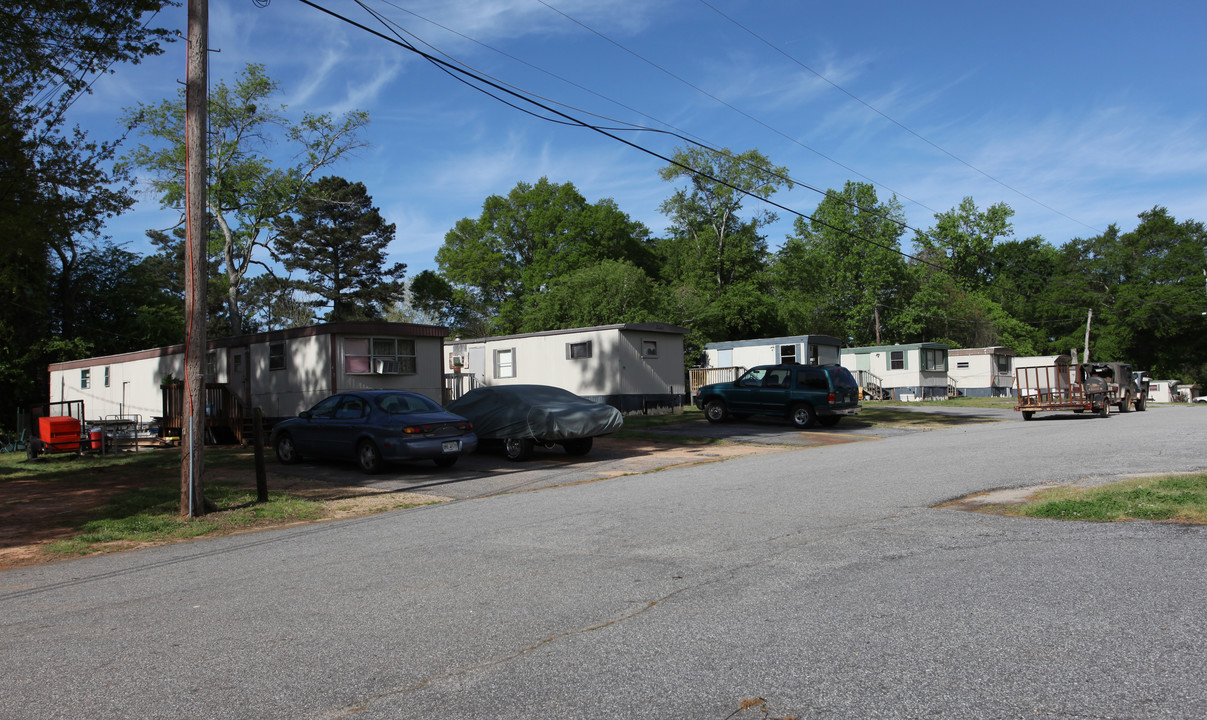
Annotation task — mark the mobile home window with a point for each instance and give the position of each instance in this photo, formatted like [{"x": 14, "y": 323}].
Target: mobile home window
[
  {"x": 85, "y": 379},
  {"x": 106, "y": 376},
  {"x": 896, "y": 360},
  {"x": 276, "y": 356},
  {"x": 649, "y": 348},
  {"x": 787, "y": 354},
  {"x": 578, "y": 351},
  {"x": 962, "y": 364},
  {"x": 505, "y": 363},
  {"x": 211, "y": 366},
  {"x": 380, "y": 356},
  {"x": 933, "y": 360},
  {"x": 1003, "y": 363}
]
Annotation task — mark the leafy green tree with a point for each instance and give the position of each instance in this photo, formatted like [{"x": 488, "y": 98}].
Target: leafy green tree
[
  {"x": 710, "y": 243},
  {"x": 56, "y": 187},
  {"x": 520, "y": 244},
  {"x": 607, "y": 293},
  {"x": 962, "y": 241},
  {"x": 1148, "y": 290},
  {"x": 714, "y": 260},
  {"x": 844, "y": 267},
  {"x": 247, "y": 192},
  {"x": 339, "y": 243}
]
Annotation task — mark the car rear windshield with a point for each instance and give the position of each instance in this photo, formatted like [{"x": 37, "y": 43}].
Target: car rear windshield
[
  {"x": 842, "y": 378},
  {"x": 401, "y": 404}
]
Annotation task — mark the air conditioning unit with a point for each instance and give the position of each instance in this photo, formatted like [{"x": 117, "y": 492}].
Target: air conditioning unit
[{"x": 385, "y": 367}]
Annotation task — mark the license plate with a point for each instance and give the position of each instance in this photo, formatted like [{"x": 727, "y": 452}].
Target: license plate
[{"x": 450, "y": 446}]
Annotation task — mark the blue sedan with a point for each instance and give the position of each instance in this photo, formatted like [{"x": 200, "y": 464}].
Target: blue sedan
[{"x": 374, "y": 427}]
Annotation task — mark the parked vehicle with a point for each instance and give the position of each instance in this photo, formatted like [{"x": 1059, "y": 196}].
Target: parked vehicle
[
  {"x": 1143, "y": 386},
  {"x": 1061, "y": 387},
  {"x": 521, "y": 417},
  {"x": 1122, "y": 389},
  {"x": 804, "y": 394},
  {"x": 374, "y": 427}
]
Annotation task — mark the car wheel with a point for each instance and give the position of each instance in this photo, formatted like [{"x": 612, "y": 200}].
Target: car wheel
[
  {"x": 829, "y": 420},
  {"x": 803, "y": 416},
  {"x": 446, "y": 460},
  {"x": 287, "y": 452},
  {"x": 518, "y": 448},
  {"x": 368, "y": 457},
  {"x": 1141, "y": 404},
  {"x": 578, "y": 446},
  {"x": 716, "y": 411}
]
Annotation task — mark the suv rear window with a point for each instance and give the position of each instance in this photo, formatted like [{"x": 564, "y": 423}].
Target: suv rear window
[
  {"x": 811, "y": 378},
  {"x": 842, "y": 378}
]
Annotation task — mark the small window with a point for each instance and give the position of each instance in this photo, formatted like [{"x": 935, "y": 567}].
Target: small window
[
  {"x": 649, "y": 348},
  {"x": 578, "y": 351},
  {"x": 85, "y": 379},
  {"x": 379, "y": 356},
  {"x": 934, "y": 360},
  {"x": 962, "y": 364},
  {"x": 276, "y": 356},
  {"x": 211, "y": 366},
  {"x": 787, "y": 354},
  {"x": 1003, "y": 363},
  {"x": 896, "y": 360},
  {"x": 505, "y": 363},
  {"x": 237, "y": 363},
  {"x": 811, "y": 378},
  {"x": 106, "y": 376}
]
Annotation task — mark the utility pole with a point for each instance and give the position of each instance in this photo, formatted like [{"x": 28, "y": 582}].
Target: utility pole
[
  {"x": 1089, "y": 318},
  {"x": 192, "y": 440},
  {"x": 877, "y": 311}
]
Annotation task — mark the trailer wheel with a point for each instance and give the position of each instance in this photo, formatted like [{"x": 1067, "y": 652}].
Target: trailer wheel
[{"x": 1028, "y": 414}]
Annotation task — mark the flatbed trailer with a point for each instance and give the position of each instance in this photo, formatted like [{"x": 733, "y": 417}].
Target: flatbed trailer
[{"x": 1060, "y": 388}]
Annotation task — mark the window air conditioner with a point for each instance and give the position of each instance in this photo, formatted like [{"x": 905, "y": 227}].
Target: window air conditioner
[{"x": 385, "y": 367}]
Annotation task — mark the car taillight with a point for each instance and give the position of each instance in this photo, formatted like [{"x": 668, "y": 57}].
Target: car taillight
[
  {"x": 418, "y": 429},
  {"x": 831, "y": 398}
]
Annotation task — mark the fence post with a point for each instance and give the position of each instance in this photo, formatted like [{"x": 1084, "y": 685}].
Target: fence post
[{"x": 261, "y": 476}]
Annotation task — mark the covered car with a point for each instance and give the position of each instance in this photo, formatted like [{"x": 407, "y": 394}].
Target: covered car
[
  {"x": 374, "y": 427},
  {"x": 523, "y": 416}
]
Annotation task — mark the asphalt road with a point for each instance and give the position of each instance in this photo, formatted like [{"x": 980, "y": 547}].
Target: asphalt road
[{"x": 815, "y": 583}]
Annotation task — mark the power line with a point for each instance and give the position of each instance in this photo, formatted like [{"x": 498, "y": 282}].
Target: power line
[
  {"x": 876, "y": 110},
  {"x": 566, "y": 119}
]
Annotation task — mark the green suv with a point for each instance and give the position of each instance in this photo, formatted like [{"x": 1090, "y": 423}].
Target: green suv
[{"x": 805, "y": 394}]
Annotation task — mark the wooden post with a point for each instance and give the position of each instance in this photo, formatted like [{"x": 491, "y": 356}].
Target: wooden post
[
  {"x": 258, "y": 434},
  {"x": 1088, "y": 319},
  {"x": 192, "y": 441}
]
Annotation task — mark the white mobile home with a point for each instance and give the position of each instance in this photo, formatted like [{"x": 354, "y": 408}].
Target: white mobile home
[
  {"x": 802, "y": 349},
  {"x": 904, "y": 372},
  {"x": 982, "y": 372},
  {"x": 282, "y": 372},
  {"x": 634, "y": 367}
]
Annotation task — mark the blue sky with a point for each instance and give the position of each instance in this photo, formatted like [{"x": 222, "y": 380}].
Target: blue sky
[{"x": 1076, "y": 114}]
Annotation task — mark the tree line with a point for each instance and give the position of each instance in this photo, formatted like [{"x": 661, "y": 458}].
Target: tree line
[{"x": 291, "y": 244}]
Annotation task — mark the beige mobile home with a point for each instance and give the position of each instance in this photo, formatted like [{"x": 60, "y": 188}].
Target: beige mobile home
[
  {"x": 982, "y": 372},
  {"x": 634, "y": 367},
  {"x": 282, "y": 372}
]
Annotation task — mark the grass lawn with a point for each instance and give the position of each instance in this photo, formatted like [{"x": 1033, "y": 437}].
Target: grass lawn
[{"x": 1173, "y": 498}]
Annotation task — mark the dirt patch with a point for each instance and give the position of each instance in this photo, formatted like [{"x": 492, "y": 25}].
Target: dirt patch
[
  {"x": 994, "y": 502},
  {"x": 34, "y": 513}
]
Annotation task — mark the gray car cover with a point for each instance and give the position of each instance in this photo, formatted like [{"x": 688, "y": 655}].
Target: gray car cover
[{"x": 539, "y": 412}]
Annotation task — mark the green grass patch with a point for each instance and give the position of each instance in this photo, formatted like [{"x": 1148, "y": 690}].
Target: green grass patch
[
  {"x": 1174, "y": 498},
  {"x": 152, "y": 515}
]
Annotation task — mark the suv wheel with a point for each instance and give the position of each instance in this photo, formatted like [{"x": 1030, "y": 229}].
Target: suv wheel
[
  {"x": 803, "y": 416},
  {"x": 716, "y": 411},
  {"x": 1125, "y": 405}
]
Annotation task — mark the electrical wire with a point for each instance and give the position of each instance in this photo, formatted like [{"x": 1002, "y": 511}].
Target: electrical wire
[
  {"x": 468, "y": 75},
  {"x": 876, "y": 110}
]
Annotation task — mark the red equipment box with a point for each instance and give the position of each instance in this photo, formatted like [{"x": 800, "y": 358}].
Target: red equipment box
[{"x": 59, "y": 434}]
